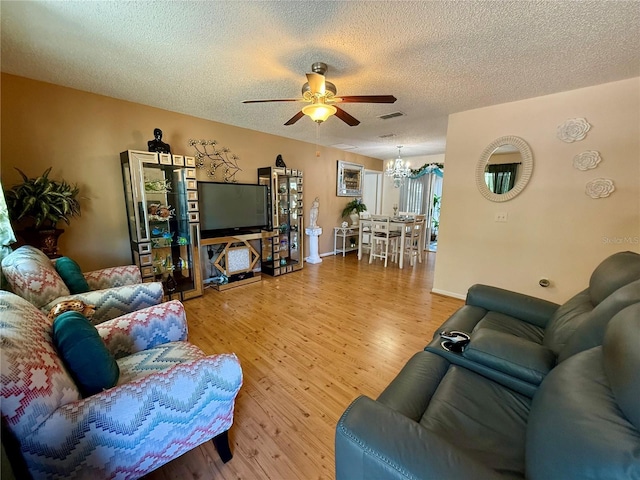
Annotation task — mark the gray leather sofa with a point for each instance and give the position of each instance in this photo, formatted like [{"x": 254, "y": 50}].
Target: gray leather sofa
[
  {"x": 441, "y": 420},
  {"x": 517, "y": 339}
]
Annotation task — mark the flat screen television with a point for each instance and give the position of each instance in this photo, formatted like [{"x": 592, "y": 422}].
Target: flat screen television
[{"x": 232, "y": 208}]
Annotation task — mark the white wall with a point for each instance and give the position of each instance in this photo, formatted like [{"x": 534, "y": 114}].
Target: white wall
[
  {"x": 372, "y": 191},
  {"x": 390, "y": 196},
  {"x": 554, "y": 229}
]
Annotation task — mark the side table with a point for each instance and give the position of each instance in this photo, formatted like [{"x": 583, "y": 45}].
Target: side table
[{"x": 348, "y": 236}]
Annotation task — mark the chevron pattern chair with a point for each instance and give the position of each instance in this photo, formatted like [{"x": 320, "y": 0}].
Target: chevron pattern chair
[
  {"x": 114, "y": 291},
  {"x": 170, "y": 396}
]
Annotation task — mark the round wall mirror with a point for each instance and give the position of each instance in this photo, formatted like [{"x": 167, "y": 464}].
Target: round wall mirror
[{"x": 504, "y": 168}]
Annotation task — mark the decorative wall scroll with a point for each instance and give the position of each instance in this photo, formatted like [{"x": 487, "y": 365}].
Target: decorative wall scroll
[
  {"x": 573, "y": 130},
  {"x": 587, "y": 160},
  {"x": 600, "y": 188},
  {"x": 218, "y": 157}
]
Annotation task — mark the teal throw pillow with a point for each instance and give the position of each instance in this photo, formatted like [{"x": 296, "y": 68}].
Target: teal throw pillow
[
  {"x": 84, "y": 353},
  {"x": 71, "y": 275}
]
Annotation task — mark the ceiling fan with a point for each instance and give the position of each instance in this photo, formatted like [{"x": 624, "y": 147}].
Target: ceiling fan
[{"x": 321, "y": 96}]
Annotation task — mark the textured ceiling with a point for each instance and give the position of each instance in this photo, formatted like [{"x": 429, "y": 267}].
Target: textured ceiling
[{"x": 203, "y": 58}]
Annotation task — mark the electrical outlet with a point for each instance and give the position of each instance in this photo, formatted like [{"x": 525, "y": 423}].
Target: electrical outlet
[{"x": 501, "y": 217}]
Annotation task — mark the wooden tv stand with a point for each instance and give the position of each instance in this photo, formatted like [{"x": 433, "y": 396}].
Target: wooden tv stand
[{"x": 238, "y": 257}]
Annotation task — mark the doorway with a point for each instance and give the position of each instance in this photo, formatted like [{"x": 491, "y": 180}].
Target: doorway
[
  {"x": 422, "y": 194},
  {"x": 372, "y": 191},
  {"x": 435, "y": 213}
]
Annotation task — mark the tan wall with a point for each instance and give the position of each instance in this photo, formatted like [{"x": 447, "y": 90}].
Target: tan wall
[
  {"x": 81, "y": 134},
  {"x": 554, "y": 230}
]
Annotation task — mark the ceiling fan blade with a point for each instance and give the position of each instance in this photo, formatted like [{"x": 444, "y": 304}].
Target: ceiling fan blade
[
  {"x": 316, "y": 83},
  {"x": 346, "y": 118},
  {"x": 295, "y": 118},
  {"x": 366, "y": 99},
  {"x": 277, "y": 100}
]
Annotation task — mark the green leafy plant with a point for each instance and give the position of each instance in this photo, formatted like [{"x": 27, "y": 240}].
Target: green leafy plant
[
  {"x": 354, "y": 206},
  {"x": 42, "y": 200},
  {"x": 435, "y": 212}
]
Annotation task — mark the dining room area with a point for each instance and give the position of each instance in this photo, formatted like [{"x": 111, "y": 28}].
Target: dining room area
[
  {"x": 394, "y": 214},
  {"x": 392, "y": 239}
]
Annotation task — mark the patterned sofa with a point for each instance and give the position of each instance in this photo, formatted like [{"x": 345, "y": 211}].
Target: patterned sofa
[
  {"x": 114, "y": 291},
  {"x": 170, "y": 396}
]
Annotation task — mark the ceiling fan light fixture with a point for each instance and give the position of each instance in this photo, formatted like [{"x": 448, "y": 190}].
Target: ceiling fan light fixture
[
  {"x": 321, "y": 94},
  {"x": 319, "y": 112}
]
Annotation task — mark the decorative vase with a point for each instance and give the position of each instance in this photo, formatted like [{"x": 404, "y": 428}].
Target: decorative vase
[
  {"x": 354, "y": 217},
  {"x": 45, "y": 239},
  {"x": 170, "y": 285}
]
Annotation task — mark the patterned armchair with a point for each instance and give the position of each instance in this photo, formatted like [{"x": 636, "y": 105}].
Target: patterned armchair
[
  {"x": 170, "y": 397},
  {"x": 114, "y": 291}
]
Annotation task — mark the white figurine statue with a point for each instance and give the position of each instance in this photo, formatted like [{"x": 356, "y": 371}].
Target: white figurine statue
[{"x": 313, "y": 213}]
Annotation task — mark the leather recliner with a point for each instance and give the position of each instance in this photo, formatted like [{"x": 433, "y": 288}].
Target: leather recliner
[
  {"x": 517, "y": 339},
  {"x": 440, "y": 420}
]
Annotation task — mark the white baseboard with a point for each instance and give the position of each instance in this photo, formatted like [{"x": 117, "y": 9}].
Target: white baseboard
[
  {"x": 448, "y": 294},
  {"x": 320, "y": 255}
]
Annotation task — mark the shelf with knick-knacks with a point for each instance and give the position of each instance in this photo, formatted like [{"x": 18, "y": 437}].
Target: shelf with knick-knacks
[
  {"x": 162, "y": 208},
  {"x": 345, "y": 239},
  {"x": 282, "y": 251}
]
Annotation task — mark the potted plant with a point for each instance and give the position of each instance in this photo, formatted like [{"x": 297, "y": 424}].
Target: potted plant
[
  {"x": 39, "y": 204},
  {"x": 435, "y": 217},
  {"x": 353, "y": 210}
]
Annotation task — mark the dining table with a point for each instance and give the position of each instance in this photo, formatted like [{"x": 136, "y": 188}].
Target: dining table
[{"x": 398, "y": 223}]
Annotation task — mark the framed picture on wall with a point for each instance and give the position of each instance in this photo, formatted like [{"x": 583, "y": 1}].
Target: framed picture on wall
[{"x": 350, "y": 178}]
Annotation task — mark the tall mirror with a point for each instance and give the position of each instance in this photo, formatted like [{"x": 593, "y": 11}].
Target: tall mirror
[{"x": 504, "y": 168}]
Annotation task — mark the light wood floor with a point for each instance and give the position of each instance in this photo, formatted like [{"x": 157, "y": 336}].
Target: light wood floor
[{"x": 309, "y": 343}]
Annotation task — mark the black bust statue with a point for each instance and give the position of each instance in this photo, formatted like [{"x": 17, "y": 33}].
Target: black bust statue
[
  {"x": 157, "y": 145},
  {"x": 280, "y": 162}
]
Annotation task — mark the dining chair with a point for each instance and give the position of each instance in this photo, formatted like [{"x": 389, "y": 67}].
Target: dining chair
[
  {"x": 366, "y": 232},
  {"x": 407, "y": 228},
  {"x": 414, "y": 239},
  {"x": 382, "y": 237}
]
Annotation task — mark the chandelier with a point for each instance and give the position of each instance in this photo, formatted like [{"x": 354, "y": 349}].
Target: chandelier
[{"x": 397, "y": 170}]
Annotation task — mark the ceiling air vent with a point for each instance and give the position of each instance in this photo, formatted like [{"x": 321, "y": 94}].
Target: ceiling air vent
[
  {"x": 343, "y": 146},
  {"x": 387, "y": 116},
  {"x": 387, "y": 135}
]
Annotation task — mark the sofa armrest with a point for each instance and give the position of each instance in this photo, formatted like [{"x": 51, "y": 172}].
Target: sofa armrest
[
  {"x": 410, "y": 392},
  {"x": 464, "y": 319},
  {"x": 524, "y": 307},
  {"x": 144, "y": 329},
  {"x": 113, "y": 277},
  {"x": 117, "y": 430},
  {"x": 115, "y": 302},
  {"x": 374, "y": 441},
  {"x": 509, "y": 354}
]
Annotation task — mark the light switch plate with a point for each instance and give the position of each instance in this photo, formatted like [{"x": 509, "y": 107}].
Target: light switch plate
[{"x": 501, "y": 217}]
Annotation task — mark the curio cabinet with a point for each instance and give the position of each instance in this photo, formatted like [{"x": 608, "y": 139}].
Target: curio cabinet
[
  {"x": 162, "y": 209},
  {"x": 282, "y": 251}
]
